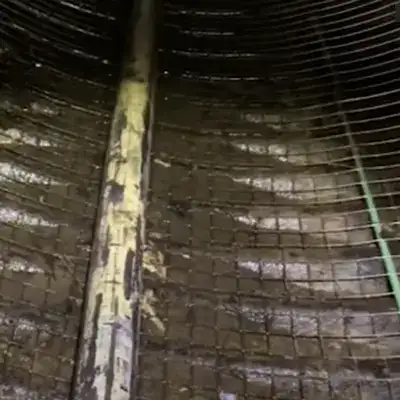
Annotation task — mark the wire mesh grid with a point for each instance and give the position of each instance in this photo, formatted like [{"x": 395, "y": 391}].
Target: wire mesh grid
[
  {"x": 267, "y": 277},
  {"x": 57, "y": 72}
]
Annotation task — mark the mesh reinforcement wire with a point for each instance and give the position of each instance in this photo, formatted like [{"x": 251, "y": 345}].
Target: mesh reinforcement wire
[
  {"x": 268, "y": 281},
  {"x": 57, "y": 74}
]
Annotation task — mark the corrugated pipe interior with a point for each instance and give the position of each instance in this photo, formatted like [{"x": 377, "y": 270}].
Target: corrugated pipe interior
[{"x": 199, "y": 200}]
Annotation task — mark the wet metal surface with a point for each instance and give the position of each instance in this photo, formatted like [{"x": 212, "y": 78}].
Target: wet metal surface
[
  {"x": 269, "y": 280},
  {"x": 58, "y": 73},
  {"x": 262, "y": 275}
]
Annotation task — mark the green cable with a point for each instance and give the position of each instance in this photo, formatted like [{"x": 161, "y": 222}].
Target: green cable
[
  {"x": 386, "y": 254},
  {"x": 384, "y": 249}
]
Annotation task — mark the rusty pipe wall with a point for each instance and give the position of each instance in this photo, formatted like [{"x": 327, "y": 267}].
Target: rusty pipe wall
[{"x": 106, "y": 357}]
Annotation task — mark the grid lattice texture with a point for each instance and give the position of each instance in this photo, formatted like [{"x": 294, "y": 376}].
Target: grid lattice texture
[
  {"x": 57, "y": 73},
  {"x": 269, "y": 280}
]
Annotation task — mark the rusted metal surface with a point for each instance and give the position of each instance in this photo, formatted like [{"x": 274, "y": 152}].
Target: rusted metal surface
[{"x": 114, "y": 294}]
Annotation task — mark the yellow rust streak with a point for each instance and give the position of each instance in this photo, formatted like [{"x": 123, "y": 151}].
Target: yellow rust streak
[
  {"x": 117, "y": 234},
  {"x": 118, "y": 230},
  {"x": 121, "y": 217}
]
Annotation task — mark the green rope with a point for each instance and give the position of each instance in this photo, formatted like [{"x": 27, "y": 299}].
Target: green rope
[{"x": 376, "y": 222}]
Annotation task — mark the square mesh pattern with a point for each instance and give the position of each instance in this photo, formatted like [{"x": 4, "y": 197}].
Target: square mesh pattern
[
  {"x": 47, "y": 212},
  {"x": 55, "y": 107},
  {"x": 267, "y": 279}
]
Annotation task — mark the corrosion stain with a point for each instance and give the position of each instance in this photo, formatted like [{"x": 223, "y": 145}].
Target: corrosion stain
[
  {"x": 105, "y": 251},
  {"x": 129, "y": 264},
  {"x": 111, "y": 355},
  {"x": 88, "y": 390},
  {"x": 119, "y": 125},
  {"x": 139, "y": 251},
  {"x": 115, "y": 192}
]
